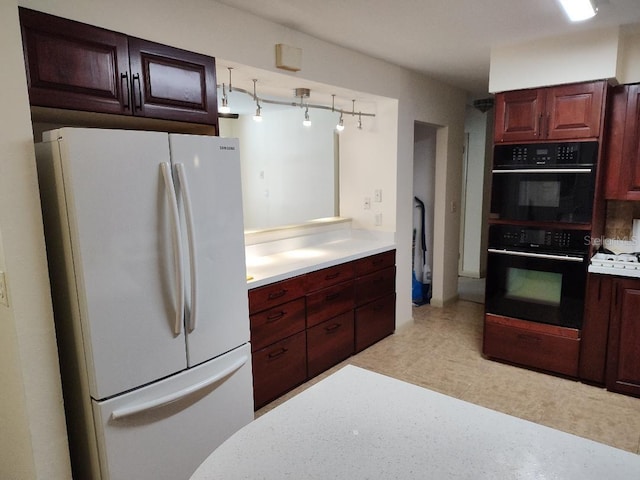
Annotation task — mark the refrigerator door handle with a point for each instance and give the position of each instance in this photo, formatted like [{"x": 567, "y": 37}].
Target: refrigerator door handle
[
  {"x": 177, "y": 245},
  {"x": 191, "y": 236},
  {"x": 142, "y": 407}
]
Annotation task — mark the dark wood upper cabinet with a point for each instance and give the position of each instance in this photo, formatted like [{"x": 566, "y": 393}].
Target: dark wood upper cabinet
[
  {"x": 623, "y": 144},
  {"x": 566, "y": 112},
  {"x": 71, "y": 65}
]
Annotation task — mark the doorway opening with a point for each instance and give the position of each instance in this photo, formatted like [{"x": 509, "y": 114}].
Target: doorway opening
[{"x": 424, "y": 174}]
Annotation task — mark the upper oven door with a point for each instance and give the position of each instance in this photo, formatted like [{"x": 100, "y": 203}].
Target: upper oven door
[
  {"x": 538, "y": 287},
  {"x": 543, "y": 195}
]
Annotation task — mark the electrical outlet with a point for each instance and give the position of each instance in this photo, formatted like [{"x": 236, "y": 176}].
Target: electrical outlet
[
  {"x": 367, "y": 203},
  {"x": 377, "y": 196},
  {"x": 4, "y": 297}
]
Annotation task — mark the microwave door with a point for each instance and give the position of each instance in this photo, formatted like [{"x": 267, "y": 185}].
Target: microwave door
[{"x": 543, "y": 195}]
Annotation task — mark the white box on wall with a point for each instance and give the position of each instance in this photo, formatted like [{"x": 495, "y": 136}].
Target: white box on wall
[{"x": 288, "y": 58}]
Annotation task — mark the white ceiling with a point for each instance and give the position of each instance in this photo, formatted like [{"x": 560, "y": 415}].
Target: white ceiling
[{"x": 446, "y": 39}]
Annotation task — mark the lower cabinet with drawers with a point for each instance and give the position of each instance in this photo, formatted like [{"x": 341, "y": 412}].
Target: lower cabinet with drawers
[{"x": 304, "y": 325}]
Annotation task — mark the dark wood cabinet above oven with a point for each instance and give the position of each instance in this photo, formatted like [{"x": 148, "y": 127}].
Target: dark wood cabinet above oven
[
  {"x": 566, "y": 112},
  {"x": 72, "y": 65},
  {"x": 623, "y": 144}
]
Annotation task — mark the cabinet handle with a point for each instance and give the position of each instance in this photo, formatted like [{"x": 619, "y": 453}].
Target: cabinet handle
[
  {"x": 138, "y": 104},
  {"x": 332, "y": 276},
  {"x": 333, "y": 296},
  {"x": 124, "y": 80},
  {"x": 332, "y": 328},
  {"x": 378, "y": 307},
  {"x": 539, "y": 126},
  {"x": 377, "y": 261},
  {"x": 275, "y": 316},
  {"x": 278, "y": 353},
  {"x": 274, "y": 295},
  {"x": 547, "y": 126}
]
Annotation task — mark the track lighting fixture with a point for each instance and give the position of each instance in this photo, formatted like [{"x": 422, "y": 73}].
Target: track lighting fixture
[{"x": 301, "y": 94}]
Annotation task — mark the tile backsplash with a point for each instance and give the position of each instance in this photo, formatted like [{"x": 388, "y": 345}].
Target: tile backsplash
[{"x": 620, "y": 215}]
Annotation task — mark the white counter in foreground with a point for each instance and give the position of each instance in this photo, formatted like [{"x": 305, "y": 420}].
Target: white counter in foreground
[{"x": 356, "y": 424}]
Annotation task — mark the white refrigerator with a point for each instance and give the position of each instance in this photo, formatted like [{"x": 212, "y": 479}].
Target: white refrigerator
[{"x": 146, "y": 256}]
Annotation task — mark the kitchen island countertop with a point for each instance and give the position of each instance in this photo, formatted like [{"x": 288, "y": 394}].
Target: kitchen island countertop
[{"x": 356, "y": 424}]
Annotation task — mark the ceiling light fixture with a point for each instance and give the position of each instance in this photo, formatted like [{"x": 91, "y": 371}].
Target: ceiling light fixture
[
  {"x": 258, "y": 116},
  {"x": 225, "y": 109},
  {"x": 579, "y": 10},
  {"x": 306, "y": 122},
  {"x": 340, "y": 125},
  {"x": 302, "y": 93}
]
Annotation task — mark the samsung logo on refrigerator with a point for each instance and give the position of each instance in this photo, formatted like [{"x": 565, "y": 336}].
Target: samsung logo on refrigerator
[{"x": 227, "y": 147}]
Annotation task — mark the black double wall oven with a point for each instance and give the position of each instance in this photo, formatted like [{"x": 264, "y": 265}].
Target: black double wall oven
[{"x": 541, "y": 207}]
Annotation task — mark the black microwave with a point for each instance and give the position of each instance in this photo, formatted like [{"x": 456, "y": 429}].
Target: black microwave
[{"x": 548, "y": 182}]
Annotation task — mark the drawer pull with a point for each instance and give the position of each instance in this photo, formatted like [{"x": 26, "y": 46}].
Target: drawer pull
[
  {"x": 332, "y": 328},
  {"x": 528, "y": 338},
  {"x": 333, "y": 296},
  {"x": 275, "y": 316},
  {"x": 278, "y": 353},
  {"x": 378, "y": 280},
  {"x": 281, "y": 293},
  {"x": 378, "y": 307},
  {"x": 377, "y": 261},
  {"x": 332, "y": 276}
]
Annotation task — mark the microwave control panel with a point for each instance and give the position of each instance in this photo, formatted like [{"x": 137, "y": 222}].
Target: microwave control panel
[{"x": 537, "y": 239}]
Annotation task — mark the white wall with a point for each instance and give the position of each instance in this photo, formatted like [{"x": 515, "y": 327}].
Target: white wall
[
  {"x": 629, "y": 60},
  {"x": 32, "y": 434},
  {"x": 33, "y": 440},
  {"x": 553, "y": 61}
]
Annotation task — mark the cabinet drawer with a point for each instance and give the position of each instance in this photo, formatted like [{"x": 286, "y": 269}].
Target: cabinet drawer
[
  {"x": 372, "y": 263},
  {"x": 328, "y": 276},
  {"x": 277, "y": 323},
  {"x": 329, "y": 343},
  {"x": 375, "y": 321},
  {"x": 375, "y": 285},
  {"x": 278, "y": 368},
  {"x": 514, "y": 341},
  {"x": 274, "y": 294},
  {"x": 329, "y": 302}
]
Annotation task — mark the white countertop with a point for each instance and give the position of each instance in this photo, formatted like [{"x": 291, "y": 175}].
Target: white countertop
[
  {"x": 263, "y": 269},
  {"x": 357, "y": 424}
]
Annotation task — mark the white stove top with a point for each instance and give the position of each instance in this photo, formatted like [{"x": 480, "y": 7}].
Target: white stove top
[{"x": 624, "y": 264}]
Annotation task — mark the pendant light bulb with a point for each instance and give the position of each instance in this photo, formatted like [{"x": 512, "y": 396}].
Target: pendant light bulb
[
  {"x": 258, "y": 116},
  {"x": 359, "y": 121},
  {"x": 340, "y": 125},
  {"x": 307, "y": 121},
  {"x": 225, "y": 102}
]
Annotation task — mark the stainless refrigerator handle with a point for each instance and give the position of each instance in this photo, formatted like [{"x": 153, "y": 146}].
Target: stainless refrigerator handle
[
  {"x": 142, "y": 407},
  {"x": 543, "y": 170},
  {"x": 177, "y": 245},
  {"x": 563, "y": 258},
  {"x": 191, "y": 238}
]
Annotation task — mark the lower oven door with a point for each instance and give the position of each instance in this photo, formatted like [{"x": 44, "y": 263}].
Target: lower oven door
[{"x": 537, "y": 287}]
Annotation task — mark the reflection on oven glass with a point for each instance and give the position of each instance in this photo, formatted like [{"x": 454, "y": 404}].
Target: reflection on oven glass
[
  {"x": 539, "y": 193},
  {"x": 534, "y": 286}
]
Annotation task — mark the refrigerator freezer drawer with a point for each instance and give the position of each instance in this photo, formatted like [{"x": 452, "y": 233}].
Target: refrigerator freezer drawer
[{"x": 165, "y": 430}]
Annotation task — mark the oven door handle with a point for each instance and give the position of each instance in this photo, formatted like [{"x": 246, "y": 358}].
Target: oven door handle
[
  {"x": 547, "y": 256},
  {"x": 544, "y": 170}
]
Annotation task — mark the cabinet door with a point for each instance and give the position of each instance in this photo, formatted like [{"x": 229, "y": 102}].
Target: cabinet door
[
  {"x": 595, "y": 329},
  {"x": 518, "y": 115},
  {"x": 630, "y": 168},
  {"x": 75, "y": 66},
  {"x": 375, "y": 321},
  {"x": 172, "y": 84},
  {"x": 615, "y": 186},
  {"x": 574, "y": 111},
  {"x": 623, "y": 360}
]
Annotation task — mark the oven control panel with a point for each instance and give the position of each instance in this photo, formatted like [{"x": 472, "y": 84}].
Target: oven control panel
[
  {"x": 549, "y": 155},
  {"x": 538, "y": 239}
]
